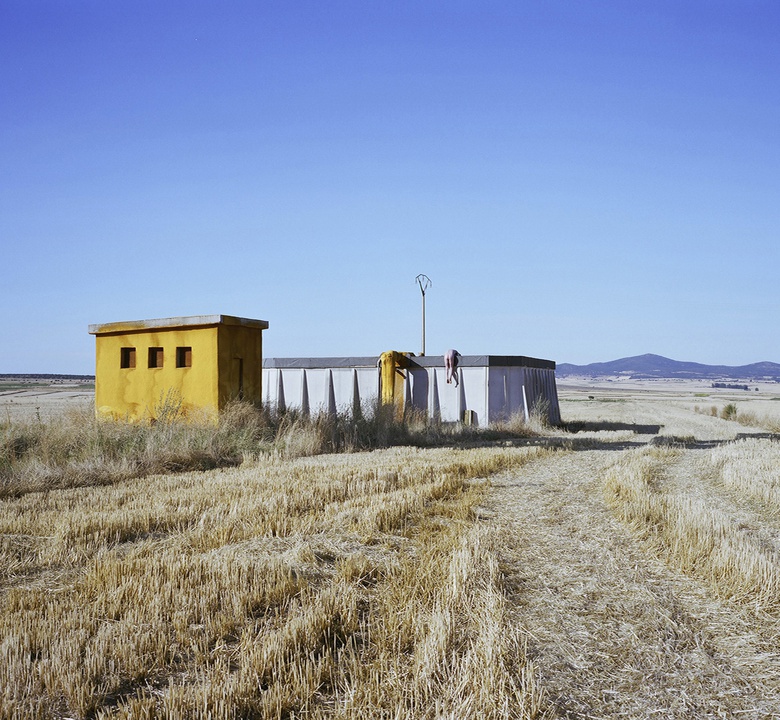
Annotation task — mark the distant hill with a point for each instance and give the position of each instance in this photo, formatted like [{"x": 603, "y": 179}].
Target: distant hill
[{"x": 656, "y": 366}]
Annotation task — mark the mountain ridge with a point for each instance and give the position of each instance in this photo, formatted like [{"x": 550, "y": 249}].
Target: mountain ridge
[{"x": 650, "y": 365}]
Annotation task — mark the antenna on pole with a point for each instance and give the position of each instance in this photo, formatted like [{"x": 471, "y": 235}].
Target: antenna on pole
[{"x": 424, "y": 282}]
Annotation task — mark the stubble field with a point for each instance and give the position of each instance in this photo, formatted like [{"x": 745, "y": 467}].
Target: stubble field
[{"x": 627, "y": 566}]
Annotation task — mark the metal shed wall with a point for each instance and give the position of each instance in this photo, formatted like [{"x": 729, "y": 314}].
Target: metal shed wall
[
  {"x": 491, "y": 388},
  {"x": 315, "y": 385}
]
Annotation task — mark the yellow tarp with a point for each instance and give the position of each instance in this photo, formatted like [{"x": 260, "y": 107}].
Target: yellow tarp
[{"x": 393, "y": 377}]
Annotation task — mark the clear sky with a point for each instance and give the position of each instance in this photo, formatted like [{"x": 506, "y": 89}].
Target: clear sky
[{"x": 582, "y": 181}]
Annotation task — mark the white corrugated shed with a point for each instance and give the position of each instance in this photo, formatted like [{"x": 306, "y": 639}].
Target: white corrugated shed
[{"x": 491, "y": 388}]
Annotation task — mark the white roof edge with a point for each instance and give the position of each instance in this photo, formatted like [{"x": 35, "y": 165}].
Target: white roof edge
[{"x": 174, "y": 322}]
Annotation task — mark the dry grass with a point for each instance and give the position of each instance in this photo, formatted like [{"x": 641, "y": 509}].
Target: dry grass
[
  {"x": 75, "y": 449},
  {"x": 631, "y": 576},
  {"x": 616, "y": 628},
  {"x": 285, "y": 588},
  {"x": 751, "y": 468},
  {"x": 691, "y": 531},
  {"x": 763, "y": 421},
  {"x": 753, "y": 417}
]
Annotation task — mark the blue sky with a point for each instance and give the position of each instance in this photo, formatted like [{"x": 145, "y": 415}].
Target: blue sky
[{"x": 581, "y": 181}]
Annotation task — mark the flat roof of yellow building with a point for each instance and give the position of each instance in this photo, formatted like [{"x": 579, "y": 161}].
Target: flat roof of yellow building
[{"x": 175, "y": 322}]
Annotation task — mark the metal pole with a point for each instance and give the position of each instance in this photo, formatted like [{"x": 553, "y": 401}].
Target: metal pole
[
  {"x": 424, "y": 282},
  {"x": 423, "y": 325}
]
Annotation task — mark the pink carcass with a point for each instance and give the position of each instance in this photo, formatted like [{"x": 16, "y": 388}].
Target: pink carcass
[{"x": 451, "y": 358}]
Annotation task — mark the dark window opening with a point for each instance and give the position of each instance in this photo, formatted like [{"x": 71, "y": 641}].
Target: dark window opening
[
  {"x": 127, "y": 358},
  {"x": 155, "y": 357},
  {"x": 183, "y": 357}
]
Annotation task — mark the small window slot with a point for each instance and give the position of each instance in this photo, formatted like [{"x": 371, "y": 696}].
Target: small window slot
[
  {"x": 183, "y": 357},
  {"x": 155, "y": 357},
  {"x": 127, "y": 358}
]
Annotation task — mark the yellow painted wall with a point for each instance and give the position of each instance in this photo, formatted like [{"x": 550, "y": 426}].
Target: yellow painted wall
[
  {"x": 240, "y": 352},
  {"x": 138, "y": 393}
]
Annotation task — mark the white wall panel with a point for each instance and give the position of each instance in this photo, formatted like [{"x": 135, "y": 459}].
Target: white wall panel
[{"x": 492, "y": 391}]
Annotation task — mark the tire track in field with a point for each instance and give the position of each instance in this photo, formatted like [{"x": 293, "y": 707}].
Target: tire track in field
[
  {"x": 758, "y": 527},
  {"x": 613, "y": 632}
]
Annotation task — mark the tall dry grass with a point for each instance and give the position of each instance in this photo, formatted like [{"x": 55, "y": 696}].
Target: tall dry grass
[
  {"x": 332, "y": 586},
  {"x": 692, "y": 532},
  {"x": 764, "y": 421},
  {"x": 751, "y": 468},
  {"x": 77, "y": 449},
  {"x": 750, "y": 418}
]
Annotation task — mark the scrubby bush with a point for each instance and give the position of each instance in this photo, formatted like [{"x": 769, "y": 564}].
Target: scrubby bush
[{"x": 729, "y": 412}]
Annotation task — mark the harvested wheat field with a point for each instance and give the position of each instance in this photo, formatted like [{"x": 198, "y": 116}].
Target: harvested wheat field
[{"x": 625, "y": 566}]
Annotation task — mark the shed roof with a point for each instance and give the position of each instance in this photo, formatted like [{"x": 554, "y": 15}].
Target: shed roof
[
  {"x": 418, "y": 361},
  {"x": 312, "y": 363},
  {"x": 485, "y": 361},
  {"x": 175, "y": 322}
]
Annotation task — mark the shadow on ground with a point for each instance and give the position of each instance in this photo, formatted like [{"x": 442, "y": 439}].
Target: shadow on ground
[{"x": 577, "y": 426}]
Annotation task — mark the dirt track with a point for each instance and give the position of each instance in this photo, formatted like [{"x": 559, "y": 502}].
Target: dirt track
[{"x": 614, "y": 629}]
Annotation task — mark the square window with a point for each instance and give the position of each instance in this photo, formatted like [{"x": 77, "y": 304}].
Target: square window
[
  {"x": 155, "y": 357},
  {"x": 183, "y": 357},
  {"x": 127, "y": 358}
]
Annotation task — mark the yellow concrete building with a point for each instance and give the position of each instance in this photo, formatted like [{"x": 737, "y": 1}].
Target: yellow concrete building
[{"x": 202, "y": 362}]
